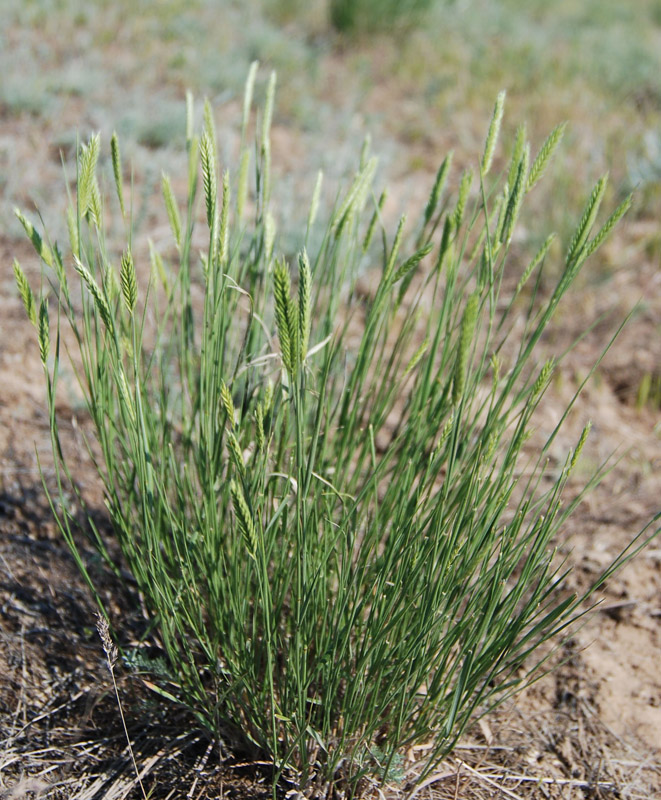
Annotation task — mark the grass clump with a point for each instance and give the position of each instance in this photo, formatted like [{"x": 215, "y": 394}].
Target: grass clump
[
  {"x": 325, "y": 499},
  {"x": 364, "y": 16}
]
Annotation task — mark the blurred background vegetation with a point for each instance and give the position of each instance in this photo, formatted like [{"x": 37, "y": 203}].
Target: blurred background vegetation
[{"x": 420, "y": 76}]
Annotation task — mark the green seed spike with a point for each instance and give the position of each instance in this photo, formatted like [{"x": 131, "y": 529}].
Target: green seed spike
[
  {"x": 38, "y": 243},
  {"x": 209, "y": 124},
  {"x": 228, "y": 403},
  {"x": 158, "y": 267},
  {"x": 608, "y": 226},
  {"x": 466, "y": 332},
  {"x": 89, "y": 156},
  {"x": 545, "y": 154},
  {"x": 72, "y": 226},
  {"x": 375, "y": 218},
  {"x": 515, "y": 199},
  {"x": 25, "y": 292},
  {"x": 390, "y": 265},
  {"x": 412, "y": 262},
  {"x": 128, "y": 280},
  {"x": 314, "y": 202},
  {"x": 190, "y": 112},
  {"x": 117, "y": 170},
  {"x": 270, "y": 229},
  {"x": 247, "y": 98},
  {"x": 517, "y": 153},
  {"x": 268, "y": 110},
  {"x": 235, "y": 451},
  {"x": 438, "y": 187},
  {"x": 93, "y": 288},
  {"x": 223, "y": 234},
  {"x": 542, "y": 380},
  {"x": 172, "y": 209},
  {"x": 304, "y": 304},
  {"x": 538, "y": 258},
  {"x": 492, "y": 135},
  {"x": 244, "y": 518},
  {"x": 415, "y": 360},
  {"x": 125, "y": 394},
  {"x": 94, "y": 212},
  {"x": 260, "y": 437},
  {"x": 283, "y": 314},
  {"x": 581, "y": 443},
  {"x": 208, "y": 158},
  {"x": 587, "y": 220},
  {"x": 44, "y": 332},
  {"x": 464, "y": 189}
]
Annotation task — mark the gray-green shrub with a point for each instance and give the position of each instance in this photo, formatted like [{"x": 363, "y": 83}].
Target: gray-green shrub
[{"x": 324, "y": 497}]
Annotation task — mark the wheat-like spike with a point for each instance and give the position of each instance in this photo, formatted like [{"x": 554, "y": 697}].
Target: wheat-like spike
[
  {"x": 89, "y": 155},
  {"x": 260, "y": 436},
  {"x": 375, "y": 218},
  {"x": 242, "y": 188},
  {"x": 537, "y": 259},
  {"x": 268, "y": 110},
  {"x": 517, "y": 153},
  {"x": 415, "y": 360},
  {"x": 281, "y": 288},
  {"x": 581, "y": 443},
  {"x": 228, "y": 403},
  {"x": 95, "y": 210},
  {"x": 117, "y": 170},
  {"x": 44, "y": 331},
  {"x": 247, "y": 98},
  {"x": 356, "y": 196},
  {"x": 125, "y": 394},
  {"x": 464, "y": 189},
  {"x": 608, "y": 226},
  {"x": 25, "y": 292},
  {"x": 314, "y": 202},
  {"x": 110, "y": 285},
  {"x": 193, "y": 161},
  {"x": 43, "y": 250},
  {"x": 223, "y": 234},
  {"x": 158, "y": 267},
  {"x": 390, "y": 264},
  {"x": 270, "y": 229},
  {"x": 244, "y": 518},
  {"x": 438, "y": 187},
  {"x": 236, "y": 453},
  {"x": 492, "y": 135},
  {"x": 171, "y": 208},
  {"x": 413, "y": 261},
  {"x": 515, "y": 199},
  {"x": 94, "y": 289},
  {"x": 72, "y": 225},
  {"x": 128, "y": 280},
  {"x": 543, "y": 379},
  {"x": 545, "y": 154},
  {"x": 209, "y": 124},
  {"x": 466, "y": 332},
  {"x": 304, "y": 304},
  {"x": 190, "y": 116},
  {"x": 587, "y": 220},
  {"x": 208, "y": 158}
]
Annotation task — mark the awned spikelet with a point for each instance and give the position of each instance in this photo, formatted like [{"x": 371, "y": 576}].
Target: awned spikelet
[
  {"x": 128, "y": 281},
  {"x": 26, "y": 294}
]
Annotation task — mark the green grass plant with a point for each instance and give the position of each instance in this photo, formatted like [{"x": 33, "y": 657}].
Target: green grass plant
[
  {"x": 344, "y": 543},
  {"x": 365, "y": 16}
]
